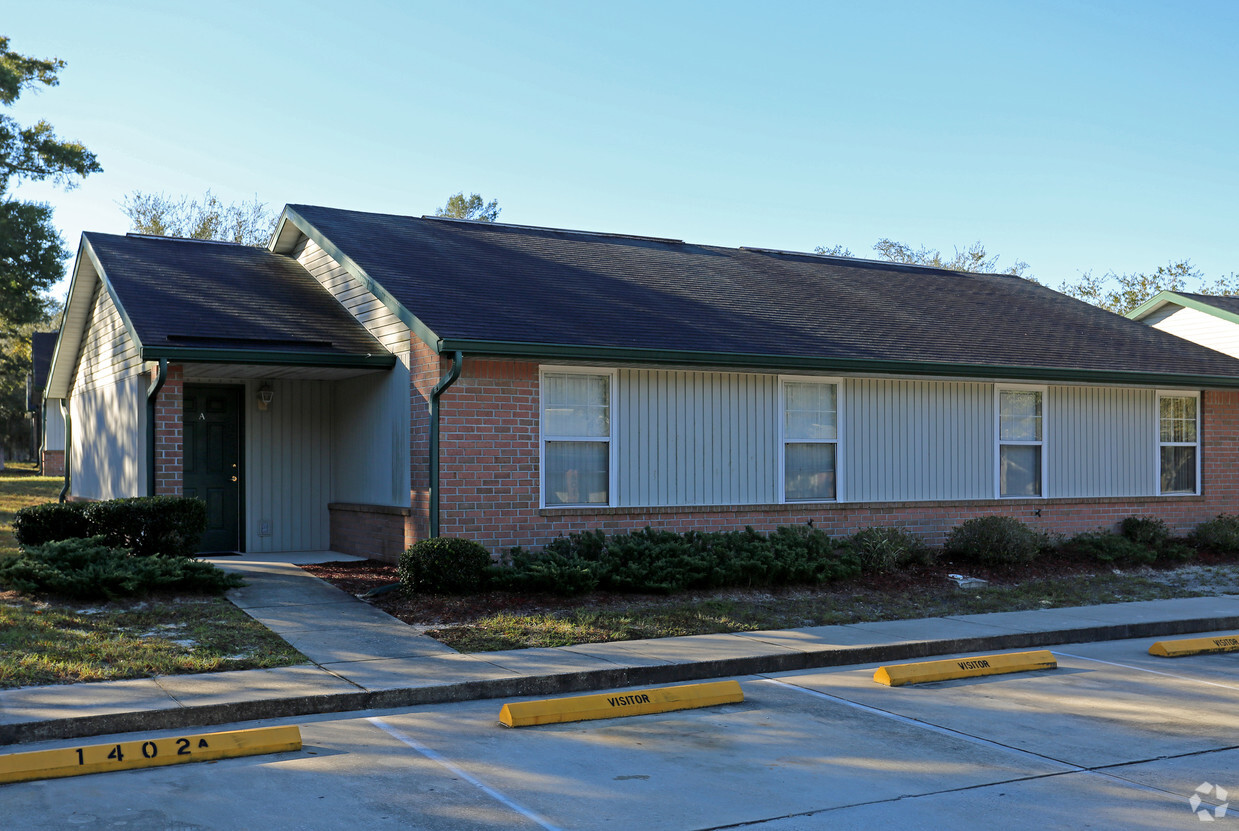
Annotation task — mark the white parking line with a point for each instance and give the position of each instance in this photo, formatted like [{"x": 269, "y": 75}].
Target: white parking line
[
  {"x": 435, "y": 757},
  {"x": 1150, "y": 671}
]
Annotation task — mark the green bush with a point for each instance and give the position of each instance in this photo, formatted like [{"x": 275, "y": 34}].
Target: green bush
[
  {"x": 444, "y": 565},
  {"x": 663, "y": 562},
  {"x": 1219, "y": 534},
  {"x": 145, "y": 525},
  {"x": 90, "y": 569},
  {"x": 888, "y": 549},
  {"x": 52, "y": 521},
  {"x": 1148, "y": 531},
  {"x": 995, "y": 541},
  {"x": 549, "y": 571},
  {"x": 1103, "y": 547}
]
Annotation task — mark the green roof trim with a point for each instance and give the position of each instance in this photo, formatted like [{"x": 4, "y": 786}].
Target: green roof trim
[
  {"x": 828, "y": 365},
  {"x": 1164, "y": 297},
  {"x": 393, "y": 305},
  {"x": 265, "y": 357}
]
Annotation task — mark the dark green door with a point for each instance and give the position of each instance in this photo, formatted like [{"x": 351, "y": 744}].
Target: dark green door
[{"x": 212, "y": 433}]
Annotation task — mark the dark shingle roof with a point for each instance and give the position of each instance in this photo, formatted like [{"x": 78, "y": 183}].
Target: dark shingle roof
[
  {"x": 42, "y": 347},
  {"x": 193, "y": 294},
  {"x": 482, "y": 281}
]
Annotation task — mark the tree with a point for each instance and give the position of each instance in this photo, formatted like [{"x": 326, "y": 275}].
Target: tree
[
  {"x": 460, "y": 207},
  {"x": 1120, "y": 293},
  {"x": 247, "y": 223},
  {"x": 974, "y": 258},
  {"x": 31, "y": 248}
]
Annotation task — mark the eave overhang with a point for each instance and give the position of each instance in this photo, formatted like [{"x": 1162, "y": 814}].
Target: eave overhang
[{"x": 826, "y": 365}]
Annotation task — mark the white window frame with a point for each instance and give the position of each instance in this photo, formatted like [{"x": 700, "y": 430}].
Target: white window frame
[
  {"x": 543, "y": 437},
  {"x": 1159, "y": 444},
  {"x": 784, "y": 380},
  {"x": 1043, "y": 443}
]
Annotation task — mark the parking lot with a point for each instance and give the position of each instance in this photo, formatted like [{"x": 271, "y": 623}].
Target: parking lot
[{"x": 1114, "y": 738}]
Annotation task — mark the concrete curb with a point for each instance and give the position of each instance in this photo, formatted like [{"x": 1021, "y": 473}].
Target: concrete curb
[{"x": 590, "y": 680}]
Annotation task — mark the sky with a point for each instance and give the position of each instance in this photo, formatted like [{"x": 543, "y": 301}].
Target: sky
[{"x": 1075, "y": 136}]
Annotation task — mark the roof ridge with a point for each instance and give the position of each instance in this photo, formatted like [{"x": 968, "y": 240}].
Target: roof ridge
[
  {"x": 609, "y": 234},
  {"x": 136, "y": 235}
]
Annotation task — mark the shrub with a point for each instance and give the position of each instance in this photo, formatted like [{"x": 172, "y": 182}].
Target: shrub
[
  {"x": 53, "y": 521},
  {"x": 1104, "y": 547},
  {"x": 444, "y": 565},
  {"x": 1148, "y": 531},
  {"x": 664, "y": 562},
  {"x": 550, "y": 571},
  {"x": 1218, "y": 534},
  {"x": 888, "y": 549},
  {"x": 995, "y": 541},
  {"x": 89, "y": 569},
  {"x": 144, "y": 525}
]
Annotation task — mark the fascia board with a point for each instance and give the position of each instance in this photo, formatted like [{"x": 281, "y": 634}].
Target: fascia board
[{"x": 1164, "y": 297}]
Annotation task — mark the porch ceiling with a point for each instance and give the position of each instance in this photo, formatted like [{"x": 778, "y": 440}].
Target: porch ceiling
[{"x": 217, "y": 371}]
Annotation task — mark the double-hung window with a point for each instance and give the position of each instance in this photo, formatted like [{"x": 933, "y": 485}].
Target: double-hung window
[
  {"x": 810, "y": 440},
  {"x": 1021, "y": 442},
  {"x": 1178, "y": 442},
  {"x": 576, "y": 438}
]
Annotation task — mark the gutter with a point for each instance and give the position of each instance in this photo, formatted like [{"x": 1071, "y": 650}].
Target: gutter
[
  {"x": 152, "y": 393},
  {"x": 458, "y": 360},
  {"x": 68, "y": 416}
]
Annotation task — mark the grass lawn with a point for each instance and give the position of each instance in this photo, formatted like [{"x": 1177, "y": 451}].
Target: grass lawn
[
  {"x": 58, "y": 643},
  {"x": 500, "y": 620},
  {"x": 45, "y": 641},
  {"x": 21, "y": 487}
]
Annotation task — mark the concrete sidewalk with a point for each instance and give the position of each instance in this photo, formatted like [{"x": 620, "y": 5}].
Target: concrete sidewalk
[{"x": 361, "y": 658}]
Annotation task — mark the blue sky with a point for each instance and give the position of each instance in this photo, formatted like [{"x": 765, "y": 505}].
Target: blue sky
[{"x": 1075, "y": 136}]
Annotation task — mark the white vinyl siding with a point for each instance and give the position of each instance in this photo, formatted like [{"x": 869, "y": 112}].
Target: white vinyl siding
[
  {"x": 53, "y": 425},
  {"x": 353, "y": 295},
  {"x": 917, "y": 440},
  {"x": 1198, "y": 327},
  {"x": 108, "y": 353},
  {"x": 696, "y": 438},
  {"x": 1178, "y": 443},
  {"x": 108, "y": 409},
  {"x": 1101, "y": 441},
  {"x": 684, "y": 437}
]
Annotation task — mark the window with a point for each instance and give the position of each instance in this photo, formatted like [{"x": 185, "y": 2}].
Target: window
[
  {"x": 1178, "y": 443},
  {"x": 1020, "y": 442},
  {"x": 810, "y": 441},
  {"x": 576, "y": 438}
]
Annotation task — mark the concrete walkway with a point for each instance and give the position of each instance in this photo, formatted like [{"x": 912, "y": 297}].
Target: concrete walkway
[{"x": 361, "y": 658}]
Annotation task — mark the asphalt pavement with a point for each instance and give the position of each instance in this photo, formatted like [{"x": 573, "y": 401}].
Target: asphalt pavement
[{"x": 359, "y": 658}]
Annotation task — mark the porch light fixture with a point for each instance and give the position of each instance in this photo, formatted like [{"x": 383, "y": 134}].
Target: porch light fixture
[{"x": 265, "y": 396}]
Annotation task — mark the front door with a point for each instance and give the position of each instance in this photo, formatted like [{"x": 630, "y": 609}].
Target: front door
[{"x": 212, "y": 431}]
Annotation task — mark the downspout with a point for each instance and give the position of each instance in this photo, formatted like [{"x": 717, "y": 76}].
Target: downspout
[
  {"x": 151, "y": 394},
  {"x": 458, "y": 360},
  {"x": 68, "y": 417}
]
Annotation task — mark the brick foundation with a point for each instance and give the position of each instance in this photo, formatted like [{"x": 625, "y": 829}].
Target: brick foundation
[
  {"x": 490, "y": 489},
  {"x": 52, "y": 463},
  {"x": 169, "y": 440},
  {"x": 373, "y": 531}
]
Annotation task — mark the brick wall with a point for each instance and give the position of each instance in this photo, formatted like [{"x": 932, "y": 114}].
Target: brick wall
[
  {"x": 374, "y": 531},
  {"x": 169, "y": 441},
  {"x": 52, "y": 463},
  {"x": 489, "y": 477}
]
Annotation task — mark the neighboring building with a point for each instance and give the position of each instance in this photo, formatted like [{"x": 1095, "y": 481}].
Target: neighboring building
[
  {"x": 1207, "y": 319},
  {"x": 49, "y": 422},
  {"x": 372, "y": 380}
]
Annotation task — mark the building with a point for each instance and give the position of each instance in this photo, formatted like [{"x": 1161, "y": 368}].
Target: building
[{"x": 370, "y": 380}]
